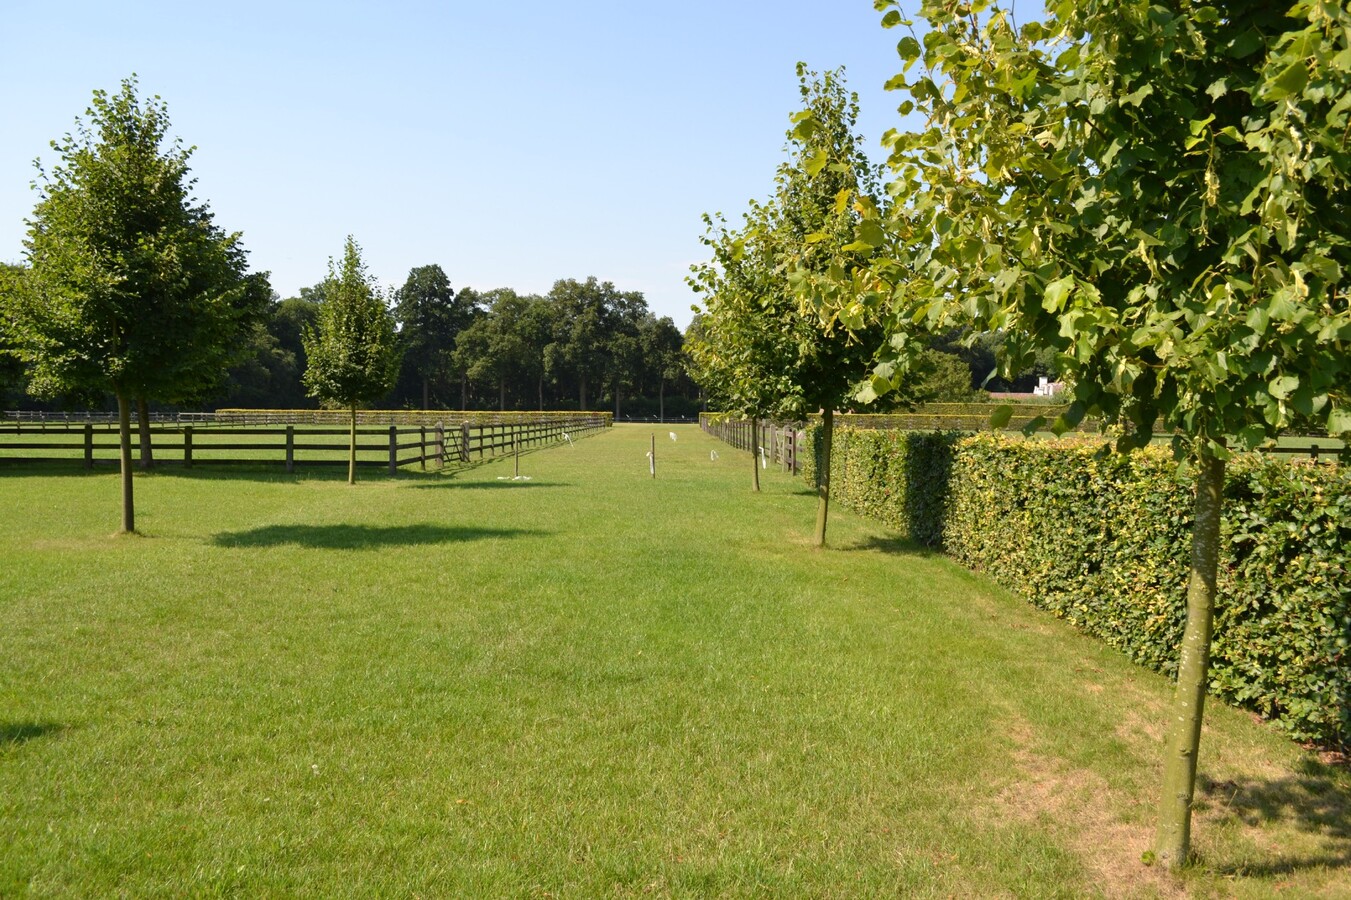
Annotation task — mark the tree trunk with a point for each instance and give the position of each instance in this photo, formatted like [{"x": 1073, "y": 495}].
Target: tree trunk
[
  {"x": 661, "y": 400},
  {"x": 464, "y": 390},
  {"x": 426, "y": 392},
  {"x": 823, "y": 475},
  {"x": 143, "y": 429},
  {"x": 755, "y": 462},
  {"x": 1172, "y": 841},
  {"x": 124, "y": 442},
  {"x": 352, "y": 450},
  {"x": 581, "y": 384},
  {"x": 616, "y": 400},
  {"x": 541, "y": 392}
]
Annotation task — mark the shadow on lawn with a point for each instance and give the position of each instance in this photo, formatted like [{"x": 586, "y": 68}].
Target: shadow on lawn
[
  {"x": 1316, "y": 801},
  {"x": 893, "y": 546},
  {"x": 361, "y": 537},
  {"x": 23, "y": 732}
]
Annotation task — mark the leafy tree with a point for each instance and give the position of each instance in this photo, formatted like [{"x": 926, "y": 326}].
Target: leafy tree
[
  {"x": 353, "y": 353},
  {"x": 429, "y": 317},
  {"x": 765, "y": 351},
  {"x": 1156, "y": 190},
  {"x": 587, "y": 314},
  {"x": 497, "y": 345},
  {"x": 133, "y": 289}
]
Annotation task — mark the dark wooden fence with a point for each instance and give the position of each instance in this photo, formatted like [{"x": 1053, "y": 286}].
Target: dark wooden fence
[
  {"x": 393, "y": 447},
  {"x": 779, "y": 443}
]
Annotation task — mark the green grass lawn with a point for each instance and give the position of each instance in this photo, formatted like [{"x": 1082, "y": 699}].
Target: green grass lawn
[{"x": 590, "y": 683}]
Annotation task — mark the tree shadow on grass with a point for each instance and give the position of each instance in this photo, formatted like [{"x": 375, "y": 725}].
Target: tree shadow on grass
[
  {"x": 894, "y": 546},
  {"x": 362, "y": 537},
  {"x": 14, "y": 733},
  {"x": 1316, "y": 801}
]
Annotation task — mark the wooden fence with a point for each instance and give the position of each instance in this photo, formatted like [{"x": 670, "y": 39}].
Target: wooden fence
[
  {"x": 783, "y": 443},
  {"x": 393, "y": 447},
  {"x": 778, "y": 443}
]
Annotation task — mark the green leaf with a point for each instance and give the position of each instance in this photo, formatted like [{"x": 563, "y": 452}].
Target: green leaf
[
  {"x": 891, "y": 19},
  {"x": 816, "y": 161},
  {"x": 908, "y": 48},
  {"x": 1339, "y": 421},
  {"x": 1001, "y": 416},
  {"x": 1056, "y": 293},
  {"x": 1291, "y": 80},
  {"x": 1283, "y": 386}
]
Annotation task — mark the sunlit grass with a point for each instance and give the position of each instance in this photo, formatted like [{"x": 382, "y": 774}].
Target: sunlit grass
[{"x": 588, "y": 683}]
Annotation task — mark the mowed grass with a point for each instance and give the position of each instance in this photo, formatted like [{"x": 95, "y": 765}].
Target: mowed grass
[{"x": 591, "y": 683}]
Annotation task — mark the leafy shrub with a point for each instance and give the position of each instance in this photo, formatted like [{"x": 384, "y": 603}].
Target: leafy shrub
[{"x": 1105, "y": 541}]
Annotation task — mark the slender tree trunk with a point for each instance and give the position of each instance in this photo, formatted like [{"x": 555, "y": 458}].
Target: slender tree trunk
[
  {"x": 541, "y": 392},
  {"x": 823, "y": 475},
  {"x": 502, "y": 394},
  {"x": 464, "y": 390},
  {"x": 143, "y": 429},
  {"x": 755, "y": 462},
  {"x": 124, "y": 436},
  {"x": 581, "y": 382},
  {"x": 352, "y": 450},
  {"x": 616, "y": 400},
  {"x": 426, "y": 392},
  {"x": 1172, "y": 842},
  {"x": 661, "y": 400}
]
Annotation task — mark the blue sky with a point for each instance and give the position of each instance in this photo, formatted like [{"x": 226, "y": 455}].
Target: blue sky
[{"x": 512, "y": 143}]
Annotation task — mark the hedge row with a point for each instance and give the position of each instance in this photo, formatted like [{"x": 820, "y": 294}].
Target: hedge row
[{"x": 1105, "y": 543}]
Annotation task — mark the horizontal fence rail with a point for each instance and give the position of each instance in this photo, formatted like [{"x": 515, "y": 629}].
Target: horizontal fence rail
[{"x": 292, "y": 445}]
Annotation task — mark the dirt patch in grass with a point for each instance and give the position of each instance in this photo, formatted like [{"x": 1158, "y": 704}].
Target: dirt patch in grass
[{"x": 1087, "y": 815}]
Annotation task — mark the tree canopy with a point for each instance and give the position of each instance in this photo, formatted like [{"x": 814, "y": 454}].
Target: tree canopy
[
  {"x": 1157, "y": 192},
  {"x": 132, "y": 289}
]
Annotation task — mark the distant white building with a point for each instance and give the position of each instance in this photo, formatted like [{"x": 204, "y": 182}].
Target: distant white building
[{"x": 1047, "y": 388}]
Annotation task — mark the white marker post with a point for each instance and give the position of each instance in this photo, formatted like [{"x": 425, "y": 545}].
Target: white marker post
[{"x": 652, "y": 457}]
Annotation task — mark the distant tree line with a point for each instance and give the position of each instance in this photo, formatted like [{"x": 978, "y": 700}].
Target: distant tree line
[{"x": 584, "y": 345}]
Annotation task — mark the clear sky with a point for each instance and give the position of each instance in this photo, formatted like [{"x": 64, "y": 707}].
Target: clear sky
[{"x": 512, "y": 143}]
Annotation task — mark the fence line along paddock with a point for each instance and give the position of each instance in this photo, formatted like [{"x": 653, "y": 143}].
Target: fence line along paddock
[
  {"x": 783, "y": 443},
  {"x": 392, "y": 447}
]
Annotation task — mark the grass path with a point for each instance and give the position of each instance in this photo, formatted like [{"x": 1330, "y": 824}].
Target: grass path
[{"x": 590, "y": 683}]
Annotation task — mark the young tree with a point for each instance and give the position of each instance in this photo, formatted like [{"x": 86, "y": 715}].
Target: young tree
[
  {"x": 353, "y": 352},
  {"x": 774, "y": 352},
  {"x": 133, "y": 290},
  {"x": 1157, "y": 191}
]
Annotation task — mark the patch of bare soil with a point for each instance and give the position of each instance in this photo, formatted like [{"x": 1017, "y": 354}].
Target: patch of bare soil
[{"x": 1048, "y": 791}]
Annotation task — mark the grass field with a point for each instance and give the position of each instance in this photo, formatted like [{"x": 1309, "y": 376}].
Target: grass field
[{"x": 591, "y": 683}]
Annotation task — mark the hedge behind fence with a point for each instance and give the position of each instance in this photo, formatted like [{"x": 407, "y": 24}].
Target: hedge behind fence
[{"x": 1105, "y": 543}]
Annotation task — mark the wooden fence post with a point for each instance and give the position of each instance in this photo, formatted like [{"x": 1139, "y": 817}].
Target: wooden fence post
[
  {"x": 440, "y": 444},
  {"x": 422, "y": 446},
  {"x": 88, "y": 445},
  {"x": 187, "y": 446},
  {"x": 394, "y": 449},
  {"x": 464, "y": 441},
  {"x": 290, "y": 449}
]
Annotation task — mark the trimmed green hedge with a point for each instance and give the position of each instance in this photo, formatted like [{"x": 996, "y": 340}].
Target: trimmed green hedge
[{"x": 1105, "y": 543}]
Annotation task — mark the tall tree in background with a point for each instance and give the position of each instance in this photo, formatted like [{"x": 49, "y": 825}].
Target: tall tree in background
[
  {"x": 429, "y": 319},
  {"x": 133, "y": 289},
  {"x": 663, "y": 353},
  {"x": 1158, "y": 191},
  {"x": 353, "y": 352},
  {"x": 496, "y": 346},
  {"x": 587, "y": 314}
]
